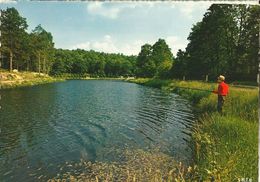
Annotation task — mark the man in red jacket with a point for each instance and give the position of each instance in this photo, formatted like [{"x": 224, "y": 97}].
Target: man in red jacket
[{"x": 222, "y": 92}]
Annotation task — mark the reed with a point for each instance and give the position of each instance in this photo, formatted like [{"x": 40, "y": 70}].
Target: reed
[
  {"x": 225, "y": 146},
  {"x": 136, "y": 166}
]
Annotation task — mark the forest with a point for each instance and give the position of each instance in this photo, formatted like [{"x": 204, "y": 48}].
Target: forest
[{"x": 224, "y": 42}]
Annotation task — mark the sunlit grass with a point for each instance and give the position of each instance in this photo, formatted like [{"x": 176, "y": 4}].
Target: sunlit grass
[
  {"x": 24, "y": 79},
  {"x": 136, "y": 165},
  {"x": 225, "y": 146}
]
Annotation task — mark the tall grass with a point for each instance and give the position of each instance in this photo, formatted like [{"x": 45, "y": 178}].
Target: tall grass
[
  {"x": 225, "y": 146},
  {"x": 136, "y": 166}
]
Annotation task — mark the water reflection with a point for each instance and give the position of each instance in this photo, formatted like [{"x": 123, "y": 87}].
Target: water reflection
[
  {"x": 43, "y": 127},
  {"x": 21, "y": 131}
]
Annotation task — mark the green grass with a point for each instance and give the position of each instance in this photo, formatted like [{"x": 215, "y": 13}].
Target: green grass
[{"x": 225, "y": 146}]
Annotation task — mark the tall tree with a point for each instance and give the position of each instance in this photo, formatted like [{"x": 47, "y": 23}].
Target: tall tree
[
  {"x": 251, "y": 42},
  {"x": 180, "y": 66},
  {"x": 211, "y": 44},
  {"x": 43, "y": 48},
  {"x": 225, "y": 42},
  {"x": 13, "y": 28},
  {"x": 162, "y": 57},
  {"x": 146, "y": 67}
]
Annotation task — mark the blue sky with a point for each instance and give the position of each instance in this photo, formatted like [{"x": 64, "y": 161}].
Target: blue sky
[{"x": 113, "y": 27}]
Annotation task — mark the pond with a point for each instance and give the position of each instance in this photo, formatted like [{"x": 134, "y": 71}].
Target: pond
[{"x": 43, "y": 127}]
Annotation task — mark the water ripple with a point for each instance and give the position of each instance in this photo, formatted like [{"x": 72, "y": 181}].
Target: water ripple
[{"x": 45, "y": 126}]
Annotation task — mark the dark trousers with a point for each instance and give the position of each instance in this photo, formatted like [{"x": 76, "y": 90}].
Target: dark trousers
[{"x": 221, "y": 100}]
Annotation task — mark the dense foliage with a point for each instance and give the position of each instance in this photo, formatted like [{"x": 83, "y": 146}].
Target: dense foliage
[
  {"x": 35, "y": 52},
  {"x": 93, "y": 63},
  {"x": 224, "y": 42},
  {"x": 154, "y": 60},
  {"x": 22, "y": 50},
  {"x": 223, "y": 148}
]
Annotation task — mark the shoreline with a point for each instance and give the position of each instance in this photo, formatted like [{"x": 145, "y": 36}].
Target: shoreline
[
  {"x": 20, "y": 79},
  {"x": 11, "y": 80},
  {"x": 223, "y": 148}
]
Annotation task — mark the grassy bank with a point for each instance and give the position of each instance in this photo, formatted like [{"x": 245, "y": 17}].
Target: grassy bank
[
  {"x": 225, "y": 146},
  {"x": 21, "y": 79}
]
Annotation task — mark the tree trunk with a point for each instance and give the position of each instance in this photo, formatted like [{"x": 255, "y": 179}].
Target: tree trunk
[
  {"x": 11, "y": 61},
  {"x": 44, "y": 65},
  {"x": 27, "y": 65},
  {"x": 39, "y": 63},
  {"x": 1, "y": 58}
]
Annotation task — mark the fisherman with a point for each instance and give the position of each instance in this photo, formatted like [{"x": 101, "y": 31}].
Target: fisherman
[{"x": 222, "y": 92}]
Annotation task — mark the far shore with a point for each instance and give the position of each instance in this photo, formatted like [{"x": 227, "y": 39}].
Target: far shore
[{"x": 15, "y": 79}]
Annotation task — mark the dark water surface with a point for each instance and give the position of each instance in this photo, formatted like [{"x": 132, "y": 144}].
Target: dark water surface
[{"x": 45, "y": 126}]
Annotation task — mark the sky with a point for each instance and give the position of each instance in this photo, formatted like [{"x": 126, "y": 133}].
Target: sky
[{"x": 113, "y": 27}]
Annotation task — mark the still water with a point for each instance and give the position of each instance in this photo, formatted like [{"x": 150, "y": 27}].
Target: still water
[{"x": 43, "y": 127}]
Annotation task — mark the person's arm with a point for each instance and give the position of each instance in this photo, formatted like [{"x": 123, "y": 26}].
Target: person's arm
[
  {"x": 218, "y": 91},
  {"x": 215, "y": 91}
]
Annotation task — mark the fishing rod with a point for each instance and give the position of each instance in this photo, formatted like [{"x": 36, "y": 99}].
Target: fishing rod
[{"x": 194, "y": 89}]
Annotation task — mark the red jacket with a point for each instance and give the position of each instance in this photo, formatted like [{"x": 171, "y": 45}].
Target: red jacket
[{"x": 222, "y": 89}]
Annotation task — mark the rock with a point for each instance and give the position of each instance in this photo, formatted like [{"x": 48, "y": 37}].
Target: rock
[
  {"x": 14, "y": 76},
  {"x": 3, "y": 77}
]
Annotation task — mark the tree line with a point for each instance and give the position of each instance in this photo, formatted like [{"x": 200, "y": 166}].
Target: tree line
[
  {"x": 224, "y": 42},
  {"x": 93, "y": 63},
  {"x": 35, "y": 51},
  {"x": 22, "y": 50},
  {"x": 154, "y": 60}
]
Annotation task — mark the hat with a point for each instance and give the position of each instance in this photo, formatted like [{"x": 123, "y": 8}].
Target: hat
[{"x": 221, "y": 77}]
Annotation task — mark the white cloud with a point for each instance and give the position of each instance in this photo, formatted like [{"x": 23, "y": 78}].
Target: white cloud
[
  {"x": 112, "y": 10},
  {"x": 7, "y": 1},
  {"x": 132, "y": 48},
  {"x": 84, "y": 45},
  {"x": 97, "y": 8},
  {"x": 152, "y": 4},
  {"x": 107, "y": 44},
  {"x": 109, "y": 10},
  {"x": 187, "y": 8},
  {"x": 110, "y": 45},
  {"x": 175, "y": 43}
]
